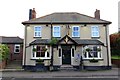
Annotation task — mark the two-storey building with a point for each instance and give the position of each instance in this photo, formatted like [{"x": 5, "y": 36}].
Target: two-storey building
[{"x": 67, "y": 38}]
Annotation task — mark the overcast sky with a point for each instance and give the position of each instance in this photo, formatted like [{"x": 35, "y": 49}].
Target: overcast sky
[{"x": 13, "y": 12}]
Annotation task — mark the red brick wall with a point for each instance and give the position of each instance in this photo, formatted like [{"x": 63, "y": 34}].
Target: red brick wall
[
  {"x": 15, "y": 56},
  {"x": 116, "y": 62},
  {"x": 3, "y": 64}
]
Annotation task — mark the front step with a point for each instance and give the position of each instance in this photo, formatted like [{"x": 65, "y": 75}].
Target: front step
[{"x": 67, "y": 68}]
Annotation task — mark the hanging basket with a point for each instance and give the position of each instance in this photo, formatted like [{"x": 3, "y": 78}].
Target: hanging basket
[{"x": 93, "y": 60}]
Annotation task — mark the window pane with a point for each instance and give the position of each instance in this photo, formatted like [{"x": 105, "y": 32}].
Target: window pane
[
  {"x": 95, "y": 54},
  {"x": 42, "y": 54},
  {"x": 17, "y": 50},
  {"x": 56, "y": 34},
  {"x": 17, "y": 46},
  {"x": 37, "y": 28},
  {"x": 85, "y": 54},
  {"x": 59, "y": 52},
  {"x": 72, "y": 52},
  {"x": 37, "y": 54},
  {"x": 90, "y": 54},
  {"x": 48, "y": 55},
  {"x": 75, "y": 34},
  {"x": 75, "y": 29}
]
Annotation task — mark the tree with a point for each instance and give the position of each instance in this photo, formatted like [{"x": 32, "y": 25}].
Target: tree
[
  {"x": 4, "y": 51},
  {"x": 115, "y": 43}
]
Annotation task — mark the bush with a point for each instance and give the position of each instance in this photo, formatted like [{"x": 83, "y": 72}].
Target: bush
[{"x": 4, "y": 51}]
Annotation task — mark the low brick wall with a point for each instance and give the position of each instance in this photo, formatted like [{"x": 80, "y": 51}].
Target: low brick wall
[
  {"x": 116, "y": 62},
  {"x": 3, "y": 64}
]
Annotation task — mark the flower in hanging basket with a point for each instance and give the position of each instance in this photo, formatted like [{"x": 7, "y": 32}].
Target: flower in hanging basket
[
  {"x": 93, "y": 60},
  {"x": 98, "y": 49},
  {"x": 88, "y": 49},
  {"x": 40, "y": 61},
  {"x": 34, "y": 49},
  {"x": 44, "y": 49}
]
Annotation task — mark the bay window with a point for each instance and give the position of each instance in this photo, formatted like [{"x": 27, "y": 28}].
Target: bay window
[
  {"x": 40, "y": 51},
  {"x": 92, "y": 52}
]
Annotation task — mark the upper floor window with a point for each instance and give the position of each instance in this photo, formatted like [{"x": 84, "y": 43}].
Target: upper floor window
[
  {"x": 94, "y": 31},
  {"x": 17, "y": 48},
  {"x": 56, "y": 31},
  {"x": 75, "y": 31},
  {"x": 37, "y": 31}
]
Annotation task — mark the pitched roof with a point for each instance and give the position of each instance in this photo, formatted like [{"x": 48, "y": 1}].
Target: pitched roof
[
  {"x": 66, "y": 17},
  {"x": 11, "y": 40},
  {"x": 78, "y": 41},
  {"x": 88, "y": 42},
  {"x": 40, "y": 41}
]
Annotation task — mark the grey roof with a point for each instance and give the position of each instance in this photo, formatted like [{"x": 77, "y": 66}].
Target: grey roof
[
  {"x": 88, "y": 42},
  {"x": 66, "y": 17},
  {"x": 78, "y": 41},
  {"x": 11, "y": 40},
  {"x": 40, "y": 41}
]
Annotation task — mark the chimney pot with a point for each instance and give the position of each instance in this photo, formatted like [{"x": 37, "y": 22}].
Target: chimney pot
[
  {"x": 97, "y": 14},
  {"x": 33, "y": 13},
  {"x": 30, "y": 14}
]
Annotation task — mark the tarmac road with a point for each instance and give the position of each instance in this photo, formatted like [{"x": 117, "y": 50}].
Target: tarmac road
[
  {"x": 63, "y": 75},
  {"x": 60, "y": 79}
]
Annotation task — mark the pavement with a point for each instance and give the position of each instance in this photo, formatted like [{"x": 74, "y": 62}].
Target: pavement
[
  {"x": 13, "y": 73},
  {"x": 113, "y": 73}
]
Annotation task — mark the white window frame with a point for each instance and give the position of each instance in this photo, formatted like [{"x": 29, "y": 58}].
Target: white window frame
[
  {"x": 40, "y": 57},
  {"x": 76, "y": 31},
  {"x": 87, "y": 54},
  {"x": 38, "y": 31},
  {"x": 56, "y": 31},
  {"x": 16, "y": 45},
  {"x": 92, "y": 31}
]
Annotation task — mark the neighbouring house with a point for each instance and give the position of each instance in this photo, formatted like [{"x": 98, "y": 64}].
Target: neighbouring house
[
  {"x": 67, "y": 38},
  {"x": 15, "y": 45}
]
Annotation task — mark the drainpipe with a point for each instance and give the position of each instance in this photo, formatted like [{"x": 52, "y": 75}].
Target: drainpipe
[
  {"x": 25, "y": 37},
  {"x": 52, "y": 47},
  {"x": 107, "y": 46}
]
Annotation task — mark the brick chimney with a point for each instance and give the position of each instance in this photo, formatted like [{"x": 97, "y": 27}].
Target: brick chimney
[
  {"x": 32, "y": 13},
  {"x": 97, "y": 14}
]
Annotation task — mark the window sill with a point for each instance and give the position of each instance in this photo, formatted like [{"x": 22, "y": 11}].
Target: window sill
[
  {"x": 37, "y": 37},
  {"x": 40, "y": 58},
  {"x": 56, "y": 37},
  {"x": 95, "y": 37},
  {"x": 75, "y": 37},
  {"x": 87, "y": 59},
  {"x": 16, "y": 52}
]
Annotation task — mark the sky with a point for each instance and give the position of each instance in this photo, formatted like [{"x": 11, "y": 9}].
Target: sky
[{"x": 13, "y": 12}]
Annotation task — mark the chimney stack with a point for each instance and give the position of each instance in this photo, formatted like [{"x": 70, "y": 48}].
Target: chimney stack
[
  {"x": 97, "y": 14},
  {"x": 32, "y": 13}
]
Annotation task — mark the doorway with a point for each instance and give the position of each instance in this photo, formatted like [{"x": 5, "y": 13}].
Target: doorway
[{"x": 66, "y": 55}]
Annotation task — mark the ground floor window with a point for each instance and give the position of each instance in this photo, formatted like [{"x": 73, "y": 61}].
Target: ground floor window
[
  {"x": 40, "y": 51},
  {"x": 92, "y": 52},
  {"x": 17, "y": 48}
]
